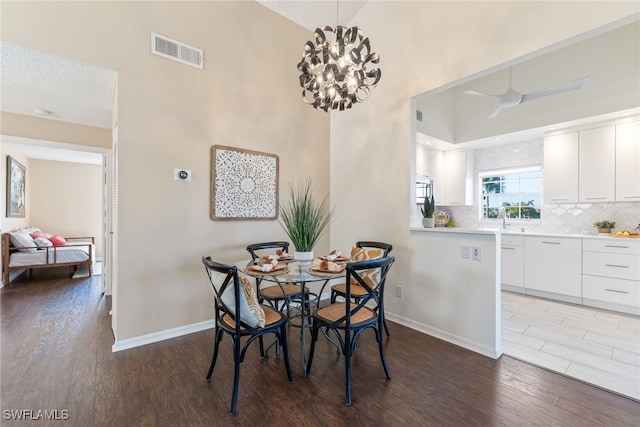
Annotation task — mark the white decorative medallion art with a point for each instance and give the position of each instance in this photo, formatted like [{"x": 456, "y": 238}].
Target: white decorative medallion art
[{"x": 244, "y": 184}]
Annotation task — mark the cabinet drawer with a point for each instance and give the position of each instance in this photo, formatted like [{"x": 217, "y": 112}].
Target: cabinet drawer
[
  {"x": 618, "y": 266},
  {"x": 508, "y": 240},
  {"x": 618, "y": 246},
  {"x": 616, "y": 291}
]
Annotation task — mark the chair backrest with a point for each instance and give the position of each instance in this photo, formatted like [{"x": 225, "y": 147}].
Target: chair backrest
[
  {"x": 356, "y": 275},
  {"x": 232, "y": 296},
  {"x": 386, "y": 247},
  {"x": 255, "y": 247}
]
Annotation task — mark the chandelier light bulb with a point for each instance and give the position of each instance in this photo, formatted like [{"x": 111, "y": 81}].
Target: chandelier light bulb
[{"x": 340, "y": 72}]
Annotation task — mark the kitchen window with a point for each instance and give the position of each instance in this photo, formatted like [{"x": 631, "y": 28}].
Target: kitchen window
[{"x": 517, "y": 191}]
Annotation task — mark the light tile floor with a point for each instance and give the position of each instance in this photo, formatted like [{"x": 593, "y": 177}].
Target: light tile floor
[{"x": 596, "y": 346}]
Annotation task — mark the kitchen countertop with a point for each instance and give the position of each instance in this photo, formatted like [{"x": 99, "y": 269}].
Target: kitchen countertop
[{"x": 515, "y": 232}]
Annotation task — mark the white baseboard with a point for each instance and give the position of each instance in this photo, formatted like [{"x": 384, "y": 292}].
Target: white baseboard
[
  {"x": 446, "y": 336},
  {"x": 162, "y": 335}
]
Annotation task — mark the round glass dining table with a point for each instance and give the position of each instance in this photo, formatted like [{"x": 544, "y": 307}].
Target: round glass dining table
[{"x": 300, "y": 274}]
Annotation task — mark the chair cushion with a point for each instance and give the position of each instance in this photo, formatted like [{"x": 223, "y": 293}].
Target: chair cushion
[
  {"x": 275, "y": 292},
  {"x": 372, "y": 275},
  {"x": 333, "y": 312},
  {"x": 251, "y": 311},
  {"x": 271, "y": 316}
]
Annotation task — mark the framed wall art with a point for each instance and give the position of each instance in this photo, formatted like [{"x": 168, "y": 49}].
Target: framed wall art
[
  {"x": 244, "y": 184},
  {"x": 16, "y": 194}
]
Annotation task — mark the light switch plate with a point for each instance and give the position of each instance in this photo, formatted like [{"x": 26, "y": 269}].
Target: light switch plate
[{"x": 465, "y": 251}]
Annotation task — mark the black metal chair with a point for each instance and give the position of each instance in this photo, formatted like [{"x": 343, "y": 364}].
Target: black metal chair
[
  {"x": 357, "y": 291},
  {"x": 352, "y": 318},
  {"x": 232, "y": 295},
  {"x": 277, "y": 296}
]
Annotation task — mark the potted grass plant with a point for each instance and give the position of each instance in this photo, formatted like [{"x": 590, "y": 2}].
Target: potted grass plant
[
  {"x": 305, "y": 218},
  {"x": 427, "y": 208}
]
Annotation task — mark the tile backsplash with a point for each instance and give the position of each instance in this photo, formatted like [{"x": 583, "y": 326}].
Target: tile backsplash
[{"x": 576, "y": 218}]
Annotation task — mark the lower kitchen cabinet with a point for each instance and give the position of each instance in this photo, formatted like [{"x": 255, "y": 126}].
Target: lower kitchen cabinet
[
  {"x": 553, "y": 268},
  {"x": 611, "y": 274},
  {"x": 512, "y": 273}
]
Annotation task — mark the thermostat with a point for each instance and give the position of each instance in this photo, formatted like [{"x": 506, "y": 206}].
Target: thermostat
[{"x": 181, "y": 175}]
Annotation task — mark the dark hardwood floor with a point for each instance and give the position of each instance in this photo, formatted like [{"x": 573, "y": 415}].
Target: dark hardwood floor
[{"x": 56, "y": 355}]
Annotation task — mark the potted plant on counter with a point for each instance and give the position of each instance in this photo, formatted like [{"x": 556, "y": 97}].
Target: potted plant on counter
[
  {"x": 305, "y": 219},
  {"x": 427, "y": 208},
  {"x": 604, "y": 227}
]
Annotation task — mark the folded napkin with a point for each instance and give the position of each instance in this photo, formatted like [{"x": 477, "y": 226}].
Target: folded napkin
[
  {"x": 266, "y": 267},
  {"x": 327, "y": 265},
  {"x": 333, "y": 255}
]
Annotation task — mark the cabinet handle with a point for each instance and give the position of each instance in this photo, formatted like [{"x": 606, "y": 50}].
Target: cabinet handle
[
  {"x": 616, "y": 246},
  {"x": 596, "y": 198},
  {"x": 563, "y": 198},
  {"x": 631, "y": 197},
  {"x": 616, "y": 291},
  {"x": 551, "y": 243},
  {"x": 507, "y": 247},
  {"x": 614, "y": 265}
]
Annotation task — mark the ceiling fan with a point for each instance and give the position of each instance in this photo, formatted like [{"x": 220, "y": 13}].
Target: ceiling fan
[{"x": 511, "y": 97}]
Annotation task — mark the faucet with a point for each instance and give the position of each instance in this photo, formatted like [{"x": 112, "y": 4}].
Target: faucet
[{"x": 502, "y": 214}]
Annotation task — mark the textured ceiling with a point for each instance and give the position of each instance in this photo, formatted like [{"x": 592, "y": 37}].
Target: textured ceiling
[{"x": 71, "y": 91}]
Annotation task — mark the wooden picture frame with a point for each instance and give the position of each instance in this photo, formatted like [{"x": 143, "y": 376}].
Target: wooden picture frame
[
  {"x": 16, "y": 189},
  {"x": 244, "y": 184}
]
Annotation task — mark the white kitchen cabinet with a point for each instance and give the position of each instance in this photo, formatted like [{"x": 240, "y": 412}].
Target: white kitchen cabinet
[
  {"x": 561, "y": 168},
  {"x": 553, "y": 268},
  {"x": 437, "y": 175},
  {"x": 423, "y": 161},
  {"x": 596, "y": 164},
  {"x": 611, "y": 274},
  {"x": 453, "y": 177},
  {"x": 628, "y": 162},
  {"x": 512, "y": 264}
]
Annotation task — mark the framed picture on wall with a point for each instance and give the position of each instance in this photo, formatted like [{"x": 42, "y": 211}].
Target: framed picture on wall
[
  {"x": 16, "y": 195},
  {"x": 244, "y": 184}
]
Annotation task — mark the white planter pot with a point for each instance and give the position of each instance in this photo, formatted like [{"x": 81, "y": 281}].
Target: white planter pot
[
  {"x": 303, "y": 257},
  {"x": 428, "y": 222}
]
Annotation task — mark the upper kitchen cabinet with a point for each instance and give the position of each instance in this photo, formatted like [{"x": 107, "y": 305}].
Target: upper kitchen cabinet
[
  {"x": 452, "y": 174},
  {"x": 628, "y": 162},
  {"x": 561, "y": 168},
  {"x": 596, "y": 165},
  {"x": 423, "y": 161}
]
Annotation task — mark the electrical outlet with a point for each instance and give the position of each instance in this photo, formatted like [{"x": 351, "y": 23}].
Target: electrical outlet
[
  {"x": 465, "y": 251},
  {"x": 399, "y": 291},
  {"x": 476, "y": 253},
  {"x": 181, "y": 175}
]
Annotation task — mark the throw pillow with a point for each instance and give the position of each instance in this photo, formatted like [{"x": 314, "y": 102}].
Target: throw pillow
[
  {"x": 43, "y": 242},
  {"x": 21, "y": 239},
  {"x": 372, "y": 275},
  {"x": 58, "y": 240},
  {"x": 251, "y": 312}
]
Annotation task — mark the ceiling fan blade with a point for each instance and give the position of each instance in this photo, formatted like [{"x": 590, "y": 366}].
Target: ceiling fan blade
[
  {"x": 564, "y": 87},
  {"x": 495, "y": 113},
  {"x": 477, "y": 93}
]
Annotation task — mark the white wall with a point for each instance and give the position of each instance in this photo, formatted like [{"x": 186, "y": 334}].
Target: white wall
[{"x": 66, "y": 199}]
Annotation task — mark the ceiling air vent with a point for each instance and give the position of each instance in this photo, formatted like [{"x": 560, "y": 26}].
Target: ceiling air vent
[
  {"x": 177, "y": 51},
  {"x": 419, "y": 115}
]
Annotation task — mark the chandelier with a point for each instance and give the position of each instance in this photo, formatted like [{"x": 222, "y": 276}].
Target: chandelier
[{"x": 334, "y": 68}]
